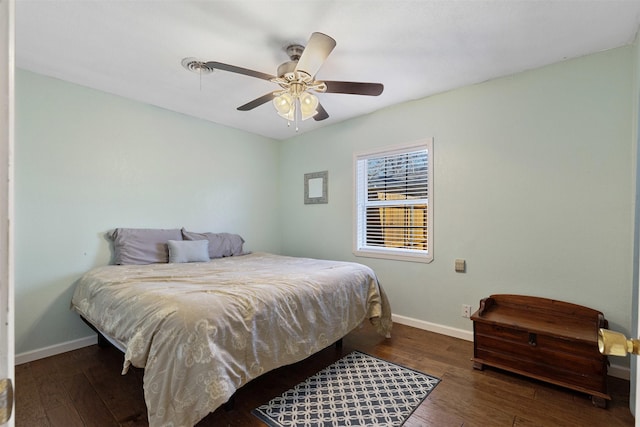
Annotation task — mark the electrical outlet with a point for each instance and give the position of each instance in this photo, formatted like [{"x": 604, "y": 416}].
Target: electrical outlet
[{"x": 466, "y": 310}]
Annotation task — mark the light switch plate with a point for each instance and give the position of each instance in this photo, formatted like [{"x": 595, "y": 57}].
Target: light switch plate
[{"x": 461, "y": 266}]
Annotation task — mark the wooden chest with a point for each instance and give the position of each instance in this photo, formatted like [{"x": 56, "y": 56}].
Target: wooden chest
[{"x": 545, "y": 339}]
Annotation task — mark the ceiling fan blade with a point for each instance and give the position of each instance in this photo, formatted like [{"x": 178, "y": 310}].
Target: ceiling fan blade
[
  {"x": 354, "y": 88},
  {"x": 321, "y": 113},
  {"x": 239, "y": 70},
  {"x": 317, "y": 50},
  {"x": 257, "y": 102}
]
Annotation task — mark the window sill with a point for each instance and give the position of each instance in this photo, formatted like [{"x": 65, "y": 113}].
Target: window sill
[{"x": 423, "y": 258}]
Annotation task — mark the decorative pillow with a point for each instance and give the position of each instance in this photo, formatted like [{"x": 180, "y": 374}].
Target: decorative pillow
[
  {"x": 220, "y": 244},
  {"x": 142, "y": 245},
  {"x": 188, "y": 251}
]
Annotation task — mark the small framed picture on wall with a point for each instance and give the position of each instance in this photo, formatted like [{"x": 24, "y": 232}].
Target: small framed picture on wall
[{"x": 316, "y": 186}]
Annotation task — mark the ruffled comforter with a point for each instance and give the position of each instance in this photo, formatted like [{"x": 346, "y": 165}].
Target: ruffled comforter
[{"x": 202, "y": 330}]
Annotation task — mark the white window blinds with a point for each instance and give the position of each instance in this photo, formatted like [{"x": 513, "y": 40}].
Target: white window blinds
[{"x": 394, "y": 204}]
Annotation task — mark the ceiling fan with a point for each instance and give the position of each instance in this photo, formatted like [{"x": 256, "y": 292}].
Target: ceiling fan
[{"x": 296, "y": 78}]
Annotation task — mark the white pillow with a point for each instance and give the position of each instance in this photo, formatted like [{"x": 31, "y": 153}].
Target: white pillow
[{"x": 188, "y": 251}]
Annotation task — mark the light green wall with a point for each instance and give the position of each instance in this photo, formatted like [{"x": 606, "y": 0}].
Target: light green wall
[
  {"x": 533, "y": 186},
  {"x": 87, "y": 162}
]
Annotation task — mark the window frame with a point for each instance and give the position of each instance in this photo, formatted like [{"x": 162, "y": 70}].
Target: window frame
[{"x": 362, "y": 250}]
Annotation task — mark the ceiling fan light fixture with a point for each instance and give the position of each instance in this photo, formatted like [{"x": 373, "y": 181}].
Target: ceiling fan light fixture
[
  {"x": 308, "y": 105},
  {"x": 284, "y": 105},
  {"x": 289, "y": 116}
]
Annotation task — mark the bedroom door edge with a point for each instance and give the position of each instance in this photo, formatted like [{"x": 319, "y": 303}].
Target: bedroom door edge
[{"x": 7, "y": 121}]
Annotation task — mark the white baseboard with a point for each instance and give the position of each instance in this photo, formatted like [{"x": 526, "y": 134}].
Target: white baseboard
[
  {"x": 433, "y": 327},
  {"x": 52, "y": 350},
  {"x": 614, "y": 370},
  {"x": 618, "y": 371}
]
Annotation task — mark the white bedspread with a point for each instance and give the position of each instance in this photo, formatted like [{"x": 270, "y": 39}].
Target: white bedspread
[{"x": 202, "y": 330}]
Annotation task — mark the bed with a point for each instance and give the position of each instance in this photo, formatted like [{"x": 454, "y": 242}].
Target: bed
[{"x": 201, "y": 330}]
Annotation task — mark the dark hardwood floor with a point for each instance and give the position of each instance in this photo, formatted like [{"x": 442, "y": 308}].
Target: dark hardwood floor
[{"x": 84, "y": 388}]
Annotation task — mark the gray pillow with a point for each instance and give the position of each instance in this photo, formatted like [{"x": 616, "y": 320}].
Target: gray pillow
[
  {"x": 220, "y": 244},
  {"x": 188, "y": 251},
  {"x": 142, "y": 245}
]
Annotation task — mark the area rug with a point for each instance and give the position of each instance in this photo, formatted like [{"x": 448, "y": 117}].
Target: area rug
[{"x": 357, "y": 390}]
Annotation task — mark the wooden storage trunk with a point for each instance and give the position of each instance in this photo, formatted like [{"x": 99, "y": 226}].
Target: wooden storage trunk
[{"x": 548, "y": 340}]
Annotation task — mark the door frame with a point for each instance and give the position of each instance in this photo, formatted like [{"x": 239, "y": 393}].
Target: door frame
[{"x": 7, "y": 121}]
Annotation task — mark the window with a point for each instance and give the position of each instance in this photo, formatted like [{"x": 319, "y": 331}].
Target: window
[{"x": 394, "y": 203}]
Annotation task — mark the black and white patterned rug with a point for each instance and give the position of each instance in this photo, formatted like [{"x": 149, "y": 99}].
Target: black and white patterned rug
[{"x": 357, "y": 390}]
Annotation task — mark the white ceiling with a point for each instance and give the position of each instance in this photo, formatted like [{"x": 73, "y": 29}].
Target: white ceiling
[{"x": 134, "y": 48}]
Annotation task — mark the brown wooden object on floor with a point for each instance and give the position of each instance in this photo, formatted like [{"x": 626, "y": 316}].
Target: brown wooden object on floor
[{"x": 545, "y": 339}]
